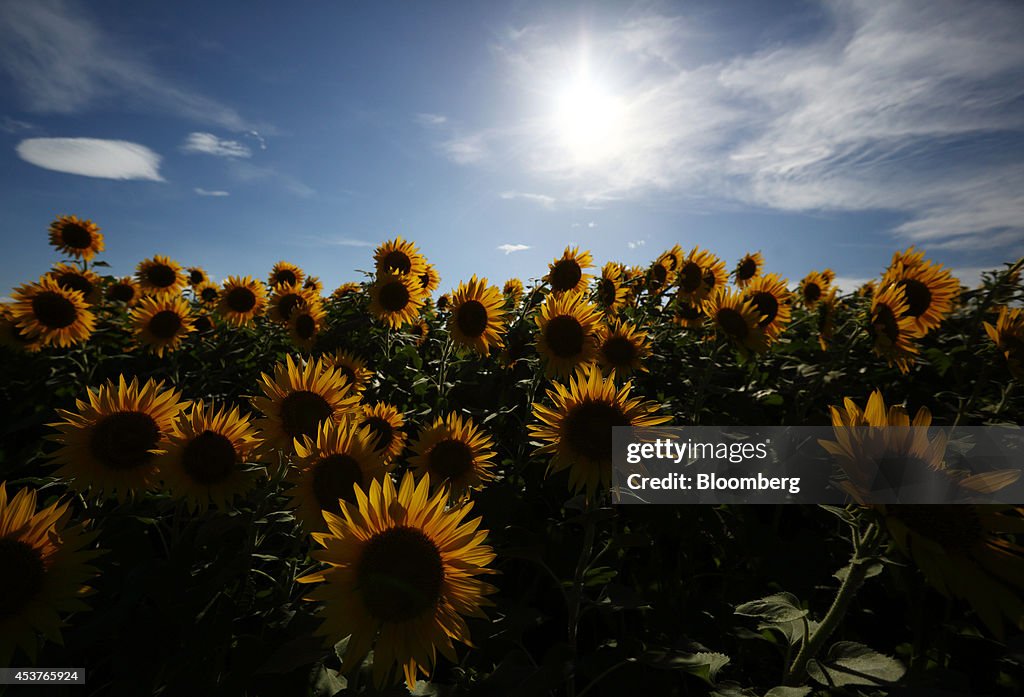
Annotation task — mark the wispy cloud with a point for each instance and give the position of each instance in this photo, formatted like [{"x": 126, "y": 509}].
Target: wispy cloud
[
  {"x": 467, "y": 149},
  {"x": 216, "y": 193},
  {"x": 349, "y": 242},
  {"x": 633, "y": 244},
  {"x": 91, "y": 157},
  {"x": 431, "y": 119},
  {"x": 9, "y": 125},
  {"x": 542, "y": 199},
  {"x": 209, "y": 144},
  {"x": 509, "y": 248}
]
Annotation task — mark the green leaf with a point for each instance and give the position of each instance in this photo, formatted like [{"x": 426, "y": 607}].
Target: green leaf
[
  {"x": 874, "y": 568},
  {"x": 788, "y": 692},
  {"x": 705, "y": 665},
  {"x": 850, "y": 663},
  {"x": 775, "y": 609},
  {"x": 599, "y": 576}
]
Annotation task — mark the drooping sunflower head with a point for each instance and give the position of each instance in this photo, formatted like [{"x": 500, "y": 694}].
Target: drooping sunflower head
[
  {"x": 207, "y": 294},
  {"x": 299, "y": 396},
  {"x": 76, "y": 237},
  {"x": 395, "y": 299},
  {"x": 70, "y": 277},
  {"x": 110, "y": 445},
  {"x": 737, "y": 320},
  {"x": 771, "y": 299},
  {"x": 477, "y": 318},
  {"x": 209, "y": 456},
  {"x": 610, "y": 291},
  {"x": 893, "y": 332},
  {"x": 124, "y": 290},
  {"x": 351, "y": 366},
  {"x": 430, "y": 280},
  {"x": 814, "y": 287},
  {"x": 566, "y": 325},
  {"x": 513, "y": 292},
  {"x": 748, "y": 268},
  {"x": 160, "y": 275},
  {"x": 304, "y": 324},
  {"x": 196, "y": 276},
  {"x": 50, "y": 315},
  {"x": 400, "y": 257},
  {"x": 455, "y": 452},
  {"x": 403, "y": 571},
  {"x": 622, "y": 348},
  {"x": 161, "y": 323},
  {"x": 929, "y": 289},
  {"x": 567, "y": 273},
  {"x": 45, "y": 568},
  {"x": 285, "y": 274},
  {"x": 314, "y": 285},
  {"x": 577, "y": 427},
  {"x": 286, "y": 298},
  {"x": 241, "y": 300},
  {"x": 11, "y": 336},
  {"x": 386, "y": 426},
  {"x": 1008, "y": 336}
]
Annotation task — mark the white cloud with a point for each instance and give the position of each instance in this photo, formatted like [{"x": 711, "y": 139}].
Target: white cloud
[
  {"x": 349, "y": 242},
  {"x": 636, "y": 243},
  {"x": 542, "y": 199},
  {"x": 848, "y": 285},
  {"x": 431, "y": 119},
  {"x": 216, "y": 193},
  {"x": 465, "y": 150},
  {"x": 209, "y": 144},
  {"x": 509, "y": 248},
  {"x": 92, "y": 157},
  {"x": 591, "y": 224}
]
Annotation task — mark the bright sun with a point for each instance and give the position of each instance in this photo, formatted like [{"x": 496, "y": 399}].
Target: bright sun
[{"x": 588, "y": 120}]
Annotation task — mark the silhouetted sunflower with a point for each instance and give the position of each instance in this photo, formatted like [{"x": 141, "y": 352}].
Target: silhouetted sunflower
[
  {"x": 11, "y": 336},
  {"x": 124, "y": 290},
  {"x": 351, "y": 366},
  {"x": 75, "y": 237},
  {"x": 455, "y": 453},
  {"x": 622, "y": 347},
  {"x": 285, "y": 274},
  {"x": 241, "y": 300},
  {"x": 161, "y": 323},
  {"x": 748, "y": 268},
  {"x": 50, "y": 315},
  {"x": 402, "y": 573},
  {"x": 478, "y": 316},
  {"x": 196, "y": 276},
  {"x": 286, "y": 298},
  {"x": 305, "y": 323},
  {"x": 814, "y": 287},
  {"x": 610, "y": 293},
  {"x": 737, "y": 320},
  {"x": 566, "y": 325},
  {"x": 567, "y": 273},
  {"x": 892, "y": 332},
  {"x": 385, "y": 423},
  {"x": 160, "y": 275},
  {"x": 395, "y": 299},
  {"x": 400, "y": 257},
  {"x": 1008, "y": 336},
  {"x": 771, "y": 298},
  {"x": 70, "y": 277},
  {"x": 929, "y": 289}
]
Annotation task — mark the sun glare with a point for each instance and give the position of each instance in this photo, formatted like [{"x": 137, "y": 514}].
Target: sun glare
[{"x": 588, "y": 120}]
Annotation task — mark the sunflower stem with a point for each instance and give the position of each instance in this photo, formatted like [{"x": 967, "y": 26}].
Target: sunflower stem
[{"x": 576, "y": 598}]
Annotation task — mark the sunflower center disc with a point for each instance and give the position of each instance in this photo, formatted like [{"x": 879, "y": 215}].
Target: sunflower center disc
[
  {"x": 123, "y": 440},
  {"x": 748, "y": 267},
  {"x": 919, "y": 298},
  {"x": 955, "y": 528},
  {"x": 691, "y": 277},
  {"x": 812, "y": 291},
  {"x": 195, "y": 277},
  {"x": 76, "y": 236},
  {"x": 471, "y": 318},
  {"x": 394, "y": 296},
  {"x": 619, "y": 351},
  {"x": 162, "y": 276},
  {"x": 400, "y": 574},
  {"x": 202, "y": 324},
  {"x": 165, "y": 324},
  {"x": 566, "y": 274},
  {"x": 22, "y": 575},
  {"x": 660, "y": 275},
  {"x": 333, "y": 478},
  {"x": 450, "y": 458},
  {"x": 588, "y": 429},
  {"x": 606, "y": 291},
  {"x": 286, "y": 277},
  {"x": 74, "y": 281},
  {"x": 302, "y": 412},
  {"x": 210, "y": 294},
  {"x": 732, "y": 323},
  {"x": 122, "y": 292},
  {"x": 564, "y": 335},
  {"x": 287, "y": 303},
  {"x": 305, "y": 326},
  {"x": 209, "y": 458},
  {"x": 54, "y": 310},
  {"x": 241, "y": 299},
  {"x": 885, "y": 324},
  {"x": 382, "y": 431},
  {"x": 767, "y": 306},
  {"x": 399, "y": 261}
]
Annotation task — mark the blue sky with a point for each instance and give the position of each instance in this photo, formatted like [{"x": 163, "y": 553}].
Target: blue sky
[{"x": 233, "y": 135}]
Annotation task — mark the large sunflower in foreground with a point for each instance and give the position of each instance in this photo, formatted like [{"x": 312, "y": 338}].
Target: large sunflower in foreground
[
  {"x": 1008, "y": 336},
  {"x": 305, "y": 323},
  {"x": 76, "y": 237},
  {"x": 770, "y": 297},
  {"x": 622, "y": 347},
  {"x": 285, "y": 274},
  {"x": 610, "y": 293},
  {"x": 286, "y": 298},
  {"x": 566, "y": 325},
  {"x": 110, "y": 446},
  {"x": 51, "y": 315},
  {"x": 567, "y": 273},
  {"x": 351, "y": 366},
  {"x": 161, "y": 323},
  {"x": 402, "y": 574},
  {"x": 206, "y": 456},
  {"x": 44, "y": 567},
  {"x": 70, "y": 277},
  {"x": 385, "y": 423},
  {"x": 124, "y": 290},
  {"x": 892, "y": 331},
  {"x": 748, "y": 268},
  {"x": 577, "y": 427},
  {"x": 241, "y": 300},
  {"x": 456, "y": 453},
  {"x": 327, "y": 467},
  {"x": 477, "y": 320},
  {"x": 299, "y": 397},
  {"x": 815, "y": 286},
  {"x": 737, "y": 320},
  {"x": 400, "y": 256},
  {"x": 395, "y": 299},
  {"x": 160, "y": 275},
  {"x": 930, "y": 291}
]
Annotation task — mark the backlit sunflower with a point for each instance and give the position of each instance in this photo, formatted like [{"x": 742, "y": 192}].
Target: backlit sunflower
[
  {"x": 70, "y": 277},
  {"x": 443, "y": 302},
  {"x": 1008, "y": 336},
  {"x": 429, "y": 280},
  {"x": 395, "y": 299},
  {"x": 477, "y": 318},
  {"x": 403, "y": 571},
  {"x": 567, "y": 273},
  {"x": 286, "y": 298},
  {"x": 207, "y": 294},
  {"x": 385, "y": 423},
  {"x": 241, "y": 300},
  {"x": 420, "y": 330},
  {"x": 76, "y": 237},
  {"x": 314, "y": 285},
  {"x": 660, "y": 275},
  {"x": 737, "y": 320},
  {"x": 909, "y": 257},
  {"x": 687, "y": 314},
  {"x": 771, "y": 299},
  {"x": 305, "y": 323},
  {"x": 700, "y": 273},
  {"x": 813, "y": 288},
  {"x": 577, "y": 427},
  {"x": 610, "y": 293},
  {"x": 675, "y": 257},
  {"x": 826, "y": 318},
  {"x": 929, "y": 289},
  {"x": 196, "y": 276},
  {"x": 286, "y": 274},
  {"x": 748, "y": 268},
  {"x": 345, "y": 290},
  {"x": 622, "y": 347},
  {"x": 513, "y": 292},
  {"x": 867, "y": 289},
  {"x": 160, "y": 276},
  {"x": 400, "y": 256},
  {"x": 299, "y": 397},
  {"x": 161, "y": 323},
  {"x": 207, "y": 454},
  {"x": 566, "y": 325},
  {"x": 891, "y": 330},
  {"x": 124, "y": 290},
  {"x": 11, "y": 336},
  {"x": 455, "y": 453},
  {"x": 110, "y": 446},
  {"x": 351, "y": 367},
  {"x": 51, "y": 315},
  {"x": 43, "y": 570}
]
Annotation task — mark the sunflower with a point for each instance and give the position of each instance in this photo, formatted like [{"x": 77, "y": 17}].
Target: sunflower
[
  {"x": 566, "y": 274},
  {"x": 203, "y": 322},
  {"x": 826, "y": 320},
  {"x": 351, "y": 367},
  {"x": 610, "y": 293},
  {"x": 305, "y": 323},
  {"x": 50, "y": 315},
  {"x": 814, "y": 287},
  {"x": 578, "y": 426},
  {"x": 385, "y": 423},
  {"x": 622, "y": 347},
  {"x": 395, "y": 299},
  {"x": 930, "y": 291},
  {"x": 11, "y": 336},
  {"x": 909, "y": 257},
  {"x": 241, "y": 300},
  {"x": 513, "y": 292},
  {"x": 867, "y": 289},
  {"x": 44, "y": 565},
  {"x": 429, "y": 279},
  {"x": 419, "y": 331},
  {"x": 205, "y": 456},
  {"x": 748, "y": 268},
  {"x": 70, "y": 277},
  {"x": 160, "y": 276},
  {"x": 402, "y": 573},
  {"x": 286, "y": 274},
  {"x": 443, "y": 302},
  {"x": 207, "y": 293},
  {"x": 700, "y": 273},
  {"x": 345, "y": 290},
  {"x": 477, "y": 318},
  {"x": 1008, "y": 336},
  {"x": 675, "y": 257},
  {"x": 161, "y": 323},
  {"x": 286, "y": 298},
  {"x": 75, "y": 237},
  {"x": 771, "y": 298},
  {"x": 661, "y": 275},
  {"x": 314, "y": 285},
  {"x": 892, "y": 331},
  {"x": 565, "y": 337},
  {"x": 454, "y": 452},
  {"x": 111, "y": 445},
  {"x": 196, "y": 276},
  {"x": 401, "y": 257},
  {"x": 124, "y": 290},
  {"x": 299, "y": 396},
  {"x": 738, "y": 320}
]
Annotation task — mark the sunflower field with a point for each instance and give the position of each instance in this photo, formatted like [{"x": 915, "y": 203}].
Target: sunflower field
[{"x": 256, "y": 487}]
